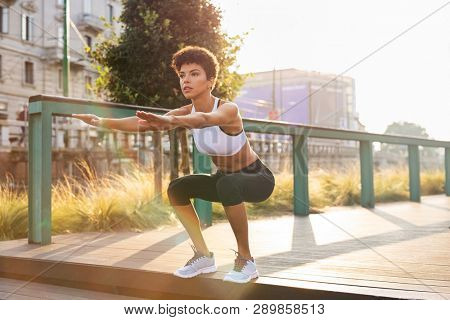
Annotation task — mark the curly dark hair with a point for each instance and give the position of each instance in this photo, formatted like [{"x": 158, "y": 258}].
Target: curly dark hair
[{"x": 199, "y": 55}]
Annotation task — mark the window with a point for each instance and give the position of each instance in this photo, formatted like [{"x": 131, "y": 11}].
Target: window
[
  {"x": 1, "y": 67},
  {"x": 60, "y": 79},
  {"x": 87, "y": 85},
  {"x": 60, "y": 39},
  {"x": 110, "y": 12},
  {"x": 3, "y": 106},
  {"x": 27, "y": 27},
  {"x": 4, "y": 19},
  {"x": 60, "y": 2},
  {"x": 350, "y": 107},
  {"x": 88, "y": 40},
  {"x": 29, "y": 72},
  {"x": 87, "y": 6}
]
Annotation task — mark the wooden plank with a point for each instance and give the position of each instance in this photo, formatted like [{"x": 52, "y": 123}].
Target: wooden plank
[
  {"x": 143, "y": 283},
  {"x": 20, "y": 289},
  {"x": 399, "y": 294},
  {"x": 7, "y": 296}
]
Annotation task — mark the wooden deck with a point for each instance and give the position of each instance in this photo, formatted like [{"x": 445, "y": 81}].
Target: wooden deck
[
  {"x": 13, "y": 289},
  {"x": 395, "y": 251}
]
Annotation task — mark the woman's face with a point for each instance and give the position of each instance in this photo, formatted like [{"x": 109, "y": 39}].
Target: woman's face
[{"x": 193, "y": 80}]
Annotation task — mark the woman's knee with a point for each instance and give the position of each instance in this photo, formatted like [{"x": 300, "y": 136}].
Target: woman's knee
[
  {"x": 177, "y": 192},
  {"x": 174, "y": 184}
]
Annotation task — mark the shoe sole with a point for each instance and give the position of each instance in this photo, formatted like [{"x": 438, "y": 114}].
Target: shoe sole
[
  {"x": 204, "y": 270},
  {"x": 254, "y": 275}
]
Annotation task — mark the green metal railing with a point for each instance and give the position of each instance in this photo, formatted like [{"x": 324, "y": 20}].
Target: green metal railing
[{"x": 43, "y": 107}]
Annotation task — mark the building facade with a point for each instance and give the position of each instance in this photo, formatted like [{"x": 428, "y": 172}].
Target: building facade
[
  {"x": 297, "y": 96},
  {"x": 303, "y": 97},
  {"x": 31, "y": 48}
]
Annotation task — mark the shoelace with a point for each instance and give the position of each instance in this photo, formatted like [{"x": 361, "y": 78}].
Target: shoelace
[
  {"x": 239, "y": 262},
  {"x": 196, "y": 256}
]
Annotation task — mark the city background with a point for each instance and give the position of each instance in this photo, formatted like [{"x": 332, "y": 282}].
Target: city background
[{"x": 31, "y": 63}]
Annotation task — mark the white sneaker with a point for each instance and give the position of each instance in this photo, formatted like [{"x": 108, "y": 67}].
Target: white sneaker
[
  {"x": 244, "y": 270},
  {"x": 198, "y": 264}
]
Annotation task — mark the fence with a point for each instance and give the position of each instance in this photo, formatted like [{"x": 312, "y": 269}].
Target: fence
[{"x": 43, "y": 107}]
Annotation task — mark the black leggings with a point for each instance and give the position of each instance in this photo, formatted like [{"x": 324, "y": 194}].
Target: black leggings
[{"x": 254, "y": 183}]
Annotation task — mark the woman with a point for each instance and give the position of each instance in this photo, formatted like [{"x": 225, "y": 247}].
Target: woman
[{"x": 218, "y": 131}]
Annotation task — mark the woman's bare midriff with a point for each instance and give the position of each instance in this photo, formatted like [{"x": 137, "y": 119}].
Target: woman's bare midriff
[{"x": 240, "y": 160}]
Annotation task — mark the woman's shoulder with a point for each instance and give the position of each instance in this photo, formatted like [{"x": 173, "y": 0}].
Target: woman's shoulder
[
  {"x": 223, "y": 102},
  {"x": 234, "y": 109}
]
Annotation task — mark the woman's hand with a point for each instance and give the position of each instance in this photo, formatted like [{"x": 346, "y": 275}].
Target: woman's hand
[
  {"x": 91, "y": 119},
  {"x": 154, "y": 122}
]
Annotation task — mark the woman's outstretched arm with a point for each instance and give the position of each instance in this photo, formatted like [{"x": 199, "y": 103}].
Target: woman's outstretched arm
[
  {"x": 129, "y": 124},
  {"x": 226, "y": 114}
]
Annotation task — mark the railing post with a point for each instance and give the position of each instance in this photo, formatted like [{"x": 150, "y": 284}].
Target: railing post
[
  {"x": 40, "y": 174},
  {"x": 158, "y": 159},
  {"x": 202, "y": 164},
  {"x": 300, "y": 163},
  {"x": 366, "y": 164},
  {"x": 447, "y": 171},
  {"x": 414, "y": 173}
]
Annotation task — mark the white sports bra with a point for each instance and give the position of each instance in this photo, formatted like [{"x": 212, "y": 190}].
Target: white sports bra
[{"x": 214, "y": 141}]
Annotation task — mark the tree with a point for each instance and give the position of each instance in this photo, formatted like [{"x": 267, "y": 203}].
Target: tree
[
  {"x": 409, "y": 129},
  {"x": 134, "y": 67}
]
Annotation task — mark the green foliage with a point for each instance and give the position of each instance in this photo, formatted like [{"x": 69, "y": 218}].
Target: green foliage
[
  {"x": 134, "y": 67},
  {"x": 409, "y": 129},
  {"x": 13, "y": 212},
  {"x": 114, "y": 202},
  {"x": 406, "y": 129}
]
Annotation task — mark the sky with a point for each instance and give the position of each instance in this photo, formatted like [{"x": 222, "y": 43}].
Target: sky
[{"x": 407, "y": 80}]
